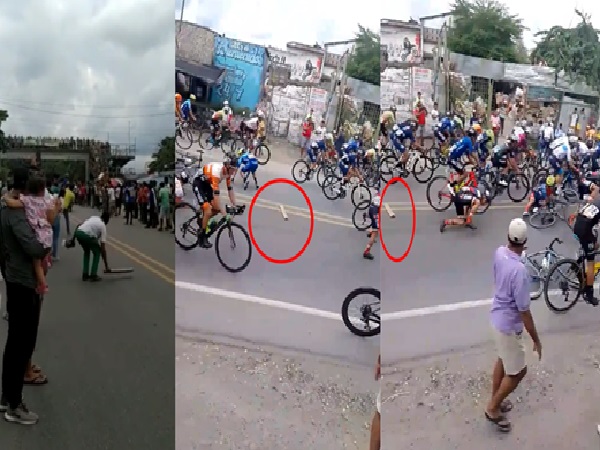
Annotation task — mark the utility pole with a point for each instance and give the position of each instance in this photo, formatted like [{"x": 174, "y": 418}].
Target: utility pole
[
  {"x": 180, "y": 22},
  {"x": 128, "y": 133}
]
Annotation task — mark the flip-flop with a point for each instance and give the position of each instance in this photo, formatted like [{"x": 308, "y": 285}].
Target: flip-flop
[
  {"x": 38, "y": 380},
  {"x": 506, "y": 406},
  {"x": 501, "y": 423}
]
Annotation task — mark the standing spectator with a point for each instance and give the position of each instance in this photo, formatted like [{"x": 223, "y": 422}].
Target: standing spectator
[
  {"x": 143, "y": 203},
  {"x": 164, "y": 205},
  {"x": 421, "y": 116},
  {"x": 559, "y": 131},
  {"x": 129, "y": 196},
  {"x": 319, "y": 132},
  {"x": 503, "y": 115},
  {"x": 52, "y": 194},
  {"x": 496, "y": 125},
  {"x": 152, "y": 207},
  {"x": 110, "y": 198},
  {"x": 418, "y": 100},
  {"x": 307, "y": 129},
  {"x": 23, "y": 304},
  {"x": 573, "y": 121},
  {"x": 435, "y": 113},
  {"x": 68, "y": 200},
  {"x": 118, "y": 199},
  {"x": 510, "y": 313}
]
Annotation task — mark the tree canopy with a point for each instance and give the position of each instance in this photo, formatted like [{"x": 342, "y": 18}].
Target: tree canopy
[
  {"x": 3, "y": 144},
  {"x": 485, "y": 29},
  {"x": 574, "y": 50},
  {"x": 364, "y": 63},
  {"x": 164, "y": 157}
]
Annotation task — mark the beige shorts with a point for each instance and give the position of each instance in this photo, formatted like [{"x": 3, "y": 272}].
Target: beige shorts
[{"x": 511, "y": 350}]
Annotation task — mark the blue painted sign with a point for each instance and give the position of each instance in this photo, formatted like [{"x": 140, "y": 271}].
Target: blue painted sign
[{"x": 245, "y": 66}]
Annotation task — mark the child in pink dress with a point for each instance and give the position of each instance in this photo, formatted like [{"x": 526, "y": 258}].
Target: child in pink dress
[{"x": 40, "y": 215}]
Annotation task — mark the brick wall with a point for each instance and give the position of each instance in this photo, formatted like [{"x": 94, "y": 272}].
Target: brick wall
[{"x": 196, "y": 43}]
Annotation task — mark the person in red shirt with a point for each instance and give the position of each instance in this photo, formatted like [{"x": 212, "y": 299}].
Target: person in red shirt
[
  {"x": 421, "y": 115},
  {"x": 307, "y": 129}
]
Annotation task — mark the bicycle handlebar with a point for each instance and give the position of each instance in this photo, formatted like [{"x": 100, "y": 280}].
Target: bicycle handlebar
[{"x": 554, "y": 241}]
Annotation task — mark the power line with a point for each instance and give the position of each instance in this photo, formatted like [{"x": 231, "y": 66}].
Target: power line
[
  {"x": 79, "y": 105},
  {"x": 60, "y": 113}
]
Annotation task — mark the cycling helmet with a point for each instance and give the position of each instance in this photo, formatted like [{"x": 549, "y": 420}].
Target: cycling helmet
[
  {"x": 471, "y": 132},
  {"x": 192, "y": 97},
  {"x": 573, "y": 139},
  {"x": 261, "y": 114},
  {"x": 178, "y": 97},
  {"x": 230, "y": 159},
  {"x": 240, "y": 152},
  {"x": 542, "y": 180},
  {"x": 550, "y": 180},
  {"x": 399, "y": 133},
  {"x": 477, "y": 128},
  {"x": 225, "y": 103},
  {"x": 329, "y": 136},
  {"x": 377, "y": 201},
  {"x": 513, "y": 138},
  {"x": 314, "y": 146},
  {"x": 589, "y": 144},
  {"x": 395, "y": 128}
]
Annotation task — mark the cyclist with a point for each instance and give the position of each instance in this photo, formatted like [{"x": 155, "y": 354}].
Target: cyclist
[
  {"x": 482, "y": 143},
  {"x": 261, "y": 127},
  {"x": 466, "y": 201},
  {"x": 561, "y": 153},
  {"x": 409, "y": 128},
  {"x": 178, "y": 100},
  {"x": 215, "y": 125},
  {"x": 313, "y": 155},
  {"x": 186, "y": 109},
  {"x": 588, "y": 217},
  {"x": 227, "y": 111},
  {"x": 373, "y": 230},
  {"x": 213, "y": 174},
  {"x": 463, "y": 149},
  {"x": 540, "y": 195},
  {"x": 248, "y": 165}
]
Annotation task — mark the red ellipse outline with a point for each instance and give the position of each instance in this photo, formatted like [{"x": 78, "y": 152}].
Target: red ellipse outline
[
  {"x": 312, "y": 221},
  {"x": 414, "y": 221}
]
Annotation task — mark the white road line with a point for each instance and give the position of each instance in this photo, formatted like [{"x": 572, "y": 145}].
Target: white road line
[{"x": 258, "y": 300}]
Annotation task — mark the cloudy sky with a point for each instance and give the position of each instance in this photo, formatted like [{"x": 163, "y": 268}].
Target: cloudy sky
[
  {"x": 93, "y": 69},
  {"x": 275, "y": 22},
  {"x": 534, "y": 18}
]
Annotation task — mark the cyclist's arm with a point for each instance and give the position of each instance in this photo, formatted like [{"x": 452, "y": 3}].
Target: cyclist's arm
[{"x": 230, "y": 190}]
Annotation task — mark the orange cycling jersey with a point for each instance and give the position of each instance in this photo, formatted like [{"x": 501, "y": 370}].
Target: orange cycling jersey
[{"x": 214, "y": 173}]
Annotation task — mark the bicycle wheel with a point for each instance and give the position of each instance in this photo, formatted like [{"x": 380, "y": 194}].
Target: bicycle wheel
[
  {"x": 331, "y": 187},
  {"x": 423, "y": 169},
  {"x": 262, "y": 153},
  {"x": 568, "y": 275},
  {"x": 536, "y": 283},
  {"x": 183, "y": 138},
  {"x": 483, "y": 187},
  {"x": 542, "y": 219},
  {"x": 439, "y": 198},
  {"x": 359, "y": 194},
  {"x": 300, "y": 171},
  {"x": 229, "y": 229},
  {"x": 368, "y": 314},
  {"x": 518, "y": 187},
  {"x": 360, "y": 218},
  {"x": 186, "y": 222},
  {"x": 388, "y": 166}
]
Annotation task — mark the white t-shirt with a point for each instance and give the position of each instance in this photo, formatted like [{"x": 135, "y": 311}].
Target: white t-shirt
[
  {"x": 435, "y": 115},
  {"x": 95, "y": 228},
  {"x": 111, "y": 194},
  {"x": 118, "y": 192},
  {"x": 548, "y": 133},
  {"x": 252, "y": 123},
  {"x": 319, "y": 133}
]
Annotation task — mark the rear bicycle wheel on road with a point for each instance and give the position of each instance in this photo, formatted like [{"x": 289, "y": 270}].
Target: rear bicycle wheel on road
[
  {"x": 234, "y": 234},
  {"x": 387, "y": 167},
  {"x": 360, "y": 217},
  {"x": 331, "y": 187},
  {"x": 563, "y": 285},
  {"x": 367, "y": 320},
  {"x": 359, "y": 194},
  {"x": 518, "y": 187},
  {"x": 263, "y": 154},
  {"x": 542, "y": 219},
  {"x": 483, "y": 188},
  {"x": 186, "y": 225},
  {"x": 300, "y": 171},
  {"x": 438, "y": 196},
  {"x": 322, "y": 172}
]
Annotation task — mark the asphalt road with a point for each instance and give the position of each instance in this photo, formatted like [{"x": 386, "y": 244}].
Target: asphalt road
[
  {"x": 296, "y": 305},
  {"x": 108, "y": 351}
]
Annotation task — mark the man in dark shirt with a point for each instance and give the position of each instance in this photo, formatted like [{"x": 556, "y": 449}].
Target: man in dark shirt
[{"x": 18, "y": 248}]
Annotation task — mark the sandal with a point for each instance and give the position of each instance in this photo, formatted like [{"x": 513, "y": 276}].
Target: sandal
[
  {"x": 506, "y": 406},
  {"x": 501, "y": 423},
  {"x": 38, "y": 380}
]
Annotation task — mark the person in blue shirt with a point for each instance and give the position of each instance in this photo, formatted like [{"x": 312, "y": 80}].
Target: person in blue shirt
[
  {"x": 313, "y": 152},
  {"x": 482, "y": 146},
  {"x": 373, "y": 230},
  {"x": 540, "y": 194},
  {"x": 397, "y": 140},
  {"x": 348, "y": 162},
  {"x": 248, "y": 165},
  {"x": 186, "y": 109},
  {"x": 463, "y": 149}
]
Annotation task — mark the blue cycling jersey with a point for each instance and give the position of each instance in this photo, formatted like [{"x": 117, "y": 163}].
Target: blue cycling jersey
[
  {"x": 186, "y": 108},
  {"x": 464, "y": 147},
  {"x": 321, "y": 144},
  {"x": 446, "y": 124},
  {"x": 406, "y": 128}
]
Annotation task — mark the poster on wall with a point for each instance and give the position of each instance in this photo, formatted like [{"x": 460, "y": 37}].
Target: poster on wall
[
  {"x": 402, "y": 46},
  {"x": 318, "y": 103},
  {"x": 422, "y": 82},
  {"x": 244, "y": 64},
  {"x": 303, "y": 68}
]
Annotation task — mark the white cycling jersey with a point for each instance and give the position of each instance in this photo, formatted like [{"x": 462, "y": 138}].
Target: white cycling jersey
[
  {"x": 561, "y": 149},
  {"x": 252, "y": 123},
  {"x": 583, "y": 150}
]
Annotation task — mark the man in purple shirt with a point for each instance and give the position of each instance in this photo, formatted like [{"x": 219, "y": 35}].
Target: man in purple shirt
[{"x": 509, "y": 315}]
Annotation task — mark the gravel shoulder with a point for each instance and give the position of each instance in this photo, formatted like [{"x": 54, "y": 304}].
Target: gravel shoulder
[
  {"x": 437, "y": 403},
  {"x": 234, "y": 397}
]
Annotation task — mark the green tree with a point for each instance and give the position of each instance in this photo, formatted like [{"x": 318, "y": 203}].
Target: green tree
[
  {"x": 164, "y": 157},
  {"x": 485, "y": 29},
  {"x": 364, "y": 62},
  {"x": 3, "y": 143},
  {"x": 576, "y": 51}
]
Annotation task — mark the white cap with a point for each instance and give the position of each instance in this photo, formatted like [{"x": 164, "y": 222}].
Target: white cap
[{"x": 517, "y": 232}]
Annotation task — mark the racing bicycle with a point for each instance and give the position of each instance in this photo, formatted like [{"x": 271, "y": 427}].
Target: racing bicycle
[
  {"x": 224, "y": 227},
  {"x": 368, "y": 323},
  {"x": 538, "y": 265}
]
